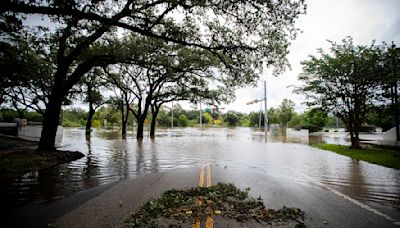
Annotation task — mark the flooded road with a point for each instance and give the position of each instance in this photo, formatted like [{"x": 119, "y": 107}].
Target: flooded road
[{"x": 108, "y": 158}]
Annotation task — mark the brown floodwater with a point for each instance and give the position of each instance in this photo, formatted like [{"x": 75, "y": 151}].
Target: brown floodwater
[{"x": 109, "y": 158}]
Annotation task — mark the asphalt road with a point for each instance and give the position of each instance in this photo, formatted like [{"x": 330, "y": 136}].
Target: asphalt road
[{"x": 323, "y": 207}]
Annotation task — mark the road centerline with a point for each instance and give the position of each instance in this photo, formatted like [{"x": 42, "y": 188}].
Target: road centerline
[{"x": 209, "y": 219}]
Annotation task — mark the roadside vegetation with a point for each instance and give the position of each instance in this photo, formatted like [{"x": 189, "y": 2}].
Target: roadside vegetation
[
  {"x": 386, "y": 156},
  {"x": 18, "y": 157},
  {"x": 354, "y": 82},
  {"x": 109, "y": 117}
]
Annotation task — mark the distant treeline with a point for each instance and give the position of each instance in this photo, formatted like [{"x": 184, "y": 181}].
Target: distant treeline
[{"x": 284, "y": 115}]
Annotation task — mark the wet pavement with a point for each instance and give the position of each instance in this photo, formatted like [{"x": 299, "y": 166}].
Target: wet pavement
[
  {"x": 321, "y": 206},
  {"x": 290, "y": 161}
]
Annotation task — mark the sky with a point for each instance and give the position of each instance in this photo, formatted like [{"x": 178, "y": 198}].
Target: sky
[{"x": 364, "y": 20}]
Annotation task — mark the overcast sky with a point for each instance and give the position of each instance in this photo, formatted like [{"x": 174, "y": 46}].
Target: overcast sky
[{"x": 364, "y": 20}]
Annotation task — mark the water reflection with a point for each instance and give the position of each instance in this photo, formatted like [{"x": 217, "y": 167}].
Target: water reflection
[
  {"x": 139, "y": 156},
  {"x": 110, "y": 158},
  {"x": 91, "y": 169},
  {"x": 356, "y": 176},
  {"x": 154, "y": 160}
]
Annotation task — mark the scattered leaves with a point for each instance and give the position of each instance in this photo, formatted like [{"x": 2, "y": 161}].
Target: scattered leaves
[{"x": 175, "y": 208}]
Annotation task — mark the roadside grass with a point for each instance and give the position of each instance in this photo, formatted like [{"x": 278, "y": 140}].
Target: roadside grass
[
  {"x": 372, "y": 154},
  {"x": 18, "y": 162}
]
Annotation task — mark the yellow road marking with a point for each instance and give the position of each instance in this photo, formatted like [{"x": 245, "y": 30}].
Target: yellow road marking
[
  {"x": 209, "y": 222},
  {"x": 209, "y": 219},
  {"x": 208, "y": 176},
  {"x": 199, "y": 200},
  {"x": 196, "y": 223},
  {"x": 201, "y": 181}
]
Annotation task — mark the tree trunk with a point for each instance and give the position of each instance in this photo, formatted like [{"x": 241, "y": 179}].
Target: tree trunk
[
  {"x": 355, "y": 141},
  {"x": 91, "y": 110},
  {"x": 89, "y": 119},
  {"x": 124, "y": 129},
  {"x": 140, "y": 127},
  {"x": 153, "y": 123},
  {"x": 396, "y": 113},
  {"x": 50, "y": 122},
  {"x": 124, "y": 123},
  {"x": 20, "y": 113},
  {"x": 125, "y": 115}
]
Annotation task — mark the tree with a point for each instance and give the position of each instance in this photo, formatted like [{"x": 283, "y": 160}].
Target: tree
[
  {"x": 92, "y": 85},
  {"x": 187, "y": 76},
  {"x": 342, "y": 82},
  {"x": 26, "y": 74},
  {"x": 286, "y": 111},
  {"x": 231, "y": 118},
  {"x": 296, "y": 121},
  {"x": 164, "y": 117},
  {"x": 273, "y": 116},
  {"x": 162, "y": 73},
  {"x": 108, "y": 113},
  {"x": 122, "y": 82},
  {"x": 222, "y": 28},
  {"x": 207, "y": 118},
  {"x": 390, "y": 82},
  {"x": 380, "y": 116},
  {"x": 256, "y": 119},
  {"x": 182, "y": 121},
  {"x": 316, "y": 118},
  {"x": 74, "y": 117}
]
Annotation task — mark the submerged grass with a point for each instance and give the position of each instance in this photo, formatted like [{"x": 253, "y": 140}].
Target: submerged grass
[
  {"x": 176, "y": 208},
  {"x": 16, "y": 163},
  {"x": 388, "y": 157}
]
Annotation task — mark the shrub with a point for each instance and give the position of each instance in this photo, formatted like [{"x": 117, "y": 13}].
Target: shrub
[
  {"x": 96, "y": 123},
  {"x": 183, "y": 121},
  {"x": 310, "y": 128},
  {"x": 68, "y": 123}
]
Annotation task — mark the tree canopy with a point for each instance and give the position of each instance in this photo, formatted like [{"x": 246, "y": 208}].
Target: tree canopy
[
  {"x": 343, "y": 82},
  {"x": 244, "y": 36}
]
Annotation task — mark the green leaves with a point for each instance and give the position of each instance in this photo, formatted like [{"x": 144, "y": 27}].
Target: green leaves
[
  {"x": 176, "y": 208},
  {"x": 344, "y": 81}
]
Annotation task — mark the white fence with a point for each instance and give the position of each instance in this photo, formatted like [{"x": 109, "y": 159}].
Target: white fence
[
  {"x": 295, "y": 133},
  {"x": 390, "y": 135},
  {"x": 33, "y": 132}
]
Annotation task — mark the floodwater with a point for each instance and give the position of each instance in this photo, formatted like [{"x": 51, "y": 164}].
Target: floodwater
[{"x": 109, "y": 158}]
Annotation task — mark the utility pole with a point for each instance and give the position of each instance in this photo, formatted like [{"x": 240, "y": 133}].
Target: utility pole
[
  {"x": 201, "y": 117},
  {"x": 125, "y": 114},
  {"x": 172, "y": 114},
  {"x": 337, "y": 122},
  {"x": 259, "y": 116},
  {"x": 265, "y": 107}
]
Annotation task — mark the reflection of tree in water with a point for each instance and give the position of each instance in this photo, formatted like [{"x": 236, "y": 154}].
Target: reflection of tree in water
[
  {"x": 91, "y": 170},
  {"x": 49, "y": 180},
  {"x": 154, "y": 158},
  {"x": 381, "y": 192},
  {"x": 139, "y": 156},
  {"x": 396, "y": 201},
  {"x": 356, "y": 183},
  {"x": 119, "y": 162},
  {"x": 45, "y": 184}
]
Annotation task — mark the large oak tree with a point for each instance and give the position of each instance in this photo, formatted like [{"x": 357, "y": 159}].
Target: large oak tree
[{"x": 244, "y": 34}]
